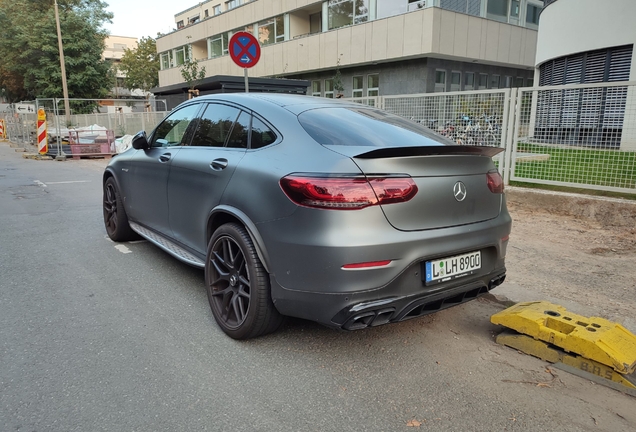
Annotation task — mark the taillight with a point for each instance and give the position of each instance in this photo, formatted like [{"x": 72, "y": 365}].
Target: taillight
[
  {"x": 347, "y": 193},
  {"x": 495, "y": 182}
]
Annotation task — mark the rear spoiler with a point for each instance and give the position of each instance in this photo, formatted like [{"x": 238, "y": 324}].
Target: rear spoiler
[{"x": 443, "y": 150}]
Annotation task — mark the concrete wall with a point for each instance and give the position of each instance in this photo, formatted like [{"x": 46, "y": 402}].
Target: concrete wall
[{"x": 429, "y": 32}]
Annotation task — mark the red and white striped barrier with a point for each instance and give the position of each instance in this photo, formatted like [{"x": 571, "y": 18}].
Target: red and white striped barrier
[
  {"x": 3, "y": 134},
  {"x": 43, "y": 146}
]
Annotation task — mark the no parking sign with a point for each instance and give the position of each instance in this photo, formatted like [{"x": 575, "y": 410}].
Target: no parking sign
[{"x": 245, "y": 51}]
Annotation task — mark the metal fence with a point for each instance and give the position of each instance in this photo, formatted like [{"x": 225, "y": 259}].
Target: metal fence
[
  {"x": 478, "y": 117},
  {"x": 117, "y": 116},
  {"x": 19, "y": 120},
  {"x": 581, "y": 136}
]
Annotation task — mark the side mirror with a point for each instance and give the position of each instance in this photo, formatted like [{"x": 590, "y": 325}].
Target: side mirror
[{"x": 140, "y": 141}]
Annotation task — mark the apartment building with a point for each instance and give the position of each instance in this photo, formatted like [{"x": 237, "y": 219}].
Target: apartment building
[
  {"x": 114, "y": 51},
  {"x": 380, "y": 47}
]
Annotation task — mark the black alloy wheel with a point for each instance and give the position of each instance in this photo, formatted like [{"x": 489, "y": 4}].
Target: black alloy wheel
[
  {"x": 115, "y": 219},
  {"x": 238, "y": 285}
]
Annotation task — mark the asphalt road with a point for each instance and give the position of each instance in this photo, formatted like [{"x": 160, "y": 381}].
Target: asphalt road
[{"x": 96, "y": 336}]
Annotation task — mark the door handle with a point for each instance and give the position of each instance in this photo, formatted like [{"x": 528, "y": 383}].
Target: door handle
[
  {"x": 165, "y": 157},
  {"x": 218, "y": 164}
]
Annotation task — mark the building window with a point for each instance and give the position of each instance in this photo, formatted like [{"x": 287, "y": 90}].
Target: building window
[
  {"x": 217, "y": 9},
  {"x": 180, "y": 24},
  {"x": 456, "y": 81},
  {"x": 347, "y": 12},
  {"x": 497, "y": 10},
  {"x": 494, "y": 81},
  {"x": 165, "y": 60},
  {"x": 440, "y": 81},
  {"x": 218, "y": 45},
  {"x": 530, "y": 82},
  {"x": 470, "y": 7},
  {"x": 206, "y": 13},
  {"x": 373, "y": 85},
  {"x": 181, "y": 55},
  {"x": 532, "y": 14},
  {"x": 519, "y": 82},
  {"x": 358, "y": 84},
  {"x": 315, "y": 23},
  {"x": 315, "y": 88},
  {"x": 469, "y": 81},
  {"x": 271, "y": 31},
  {"x": 514, "y": 9},
  {"x": 232, "y": 4},
  {"x": 329, "y": 88},
  {"x": 508, "y": 82},
  {"x": 193, "y": 19},
  {"x": 483, "y": 81}
]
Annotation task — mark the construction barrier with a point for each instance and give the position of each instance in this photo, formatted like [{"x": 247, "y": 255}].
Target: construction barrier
[
  {"x": 594, "y": 348},
  {"x": 43, "y": 146}
]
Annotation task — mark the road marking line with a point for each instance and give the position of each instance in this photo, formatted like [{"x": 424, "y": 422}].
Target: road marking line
[
  {"x": 39, "y": 183},
  {"x": 123, "y": 249},
  {"x": 68, "y": 182}
]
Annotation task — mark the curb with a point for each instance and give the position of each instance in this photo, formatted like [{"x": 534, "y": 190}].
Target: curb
[{"x": 607, "y": 211}]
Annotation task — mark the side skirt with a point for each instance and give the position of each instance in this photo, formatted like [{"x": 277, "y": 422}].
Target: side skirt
[{"x": 167, "y": 245}]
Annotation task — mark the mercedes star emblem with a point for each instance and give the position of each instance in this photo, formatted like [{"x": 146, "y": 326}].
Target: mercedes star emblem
[{"x": 459, "y": 190}]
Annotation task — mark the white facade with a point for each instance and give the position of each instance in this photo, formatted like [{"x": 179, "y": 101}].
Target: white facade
[
  {"x": 575, "y": 26},
  {"x": 581, "y": 29}
]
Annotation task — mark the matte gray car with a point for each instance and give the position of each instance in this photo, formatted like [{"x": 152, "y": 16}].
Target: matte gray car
[{"x": 308, "y": 207}]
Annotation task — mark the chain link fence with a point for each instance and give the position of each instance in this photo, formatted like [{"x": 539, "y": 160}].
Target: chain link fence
[
  {"x": 580, "y": 136},
  {"x": 92, "y": 125},
  {"x": 19, "y": 120}
]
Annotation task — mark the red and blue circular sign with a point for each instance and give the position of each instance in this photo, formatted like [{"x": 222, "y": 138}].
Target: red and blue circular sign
[{"x": 244, "y": 49}]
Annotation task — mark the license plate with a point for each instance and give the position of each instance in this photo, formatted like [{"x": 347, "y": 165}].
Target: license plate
[{"x": 446, "y": 269}]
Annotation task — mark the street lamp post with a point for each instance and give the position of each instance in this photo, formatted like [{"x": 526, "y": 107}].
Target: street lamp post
[{"x": 67, "y": 110}]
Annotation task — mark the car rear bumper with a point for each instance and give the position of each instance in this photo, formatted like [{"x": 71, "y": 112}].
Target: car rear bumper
[{"x": 394, "y": 302}]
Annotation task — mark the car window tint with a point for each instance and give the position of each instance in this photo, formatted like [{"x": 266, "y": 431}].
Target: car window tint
[
  {"x": 172, "y": 130},
  {"x": 262, "y": 135},
  {"x": 366, "y": 127},
  {"x": 215, "y": 125},
  {"x": 240, "y": 131}
]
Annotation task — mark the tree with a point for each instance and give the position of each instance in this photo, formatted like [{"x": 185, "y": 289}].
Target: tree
[
  {"x": 338, "y": 86},
  {"x": 29, "y": 48},
  {"x": 191, "y": 73},
  {"x": 141, "y": 66}
]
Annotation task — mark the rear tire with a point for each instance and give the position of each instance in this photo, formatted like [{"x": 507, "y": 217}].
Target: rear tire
[
  {"x": 115, "y": 218},
  {"x": 238, "y": 285}
]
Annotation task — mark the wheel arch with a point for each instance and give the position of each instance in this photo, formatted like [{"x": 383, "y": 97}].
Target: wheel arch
[{"x": 223, "y": 214}]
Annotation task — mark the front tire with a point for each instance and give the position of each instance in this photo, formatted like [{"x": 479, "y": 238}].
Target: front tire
[
  {"x": 238, "y": 285},
  {"x": 115, "y": 218}
]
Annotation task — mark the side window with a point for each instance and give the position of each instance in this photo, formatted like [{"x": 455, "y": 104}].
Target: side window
[
  {"x": 262, "y": 135},
  {"x": 215, "y": 125},
  {"x": 240, "y": 132},
  {"x": 172, "y": 130}
]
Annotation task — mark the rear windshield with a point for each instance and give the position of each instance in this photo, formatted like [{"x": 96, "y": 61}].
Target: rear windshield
[{"x": 366, "y": 127}]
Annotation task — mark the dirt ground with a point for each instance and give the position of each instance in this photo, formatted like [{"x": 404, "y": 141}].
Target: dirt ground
[{"x": 577, "y": 260}]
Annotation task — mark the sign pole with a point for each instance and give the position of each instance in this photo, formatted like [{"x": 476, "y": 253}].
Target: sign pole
[{"x": 245, "y": 52}]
